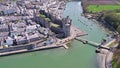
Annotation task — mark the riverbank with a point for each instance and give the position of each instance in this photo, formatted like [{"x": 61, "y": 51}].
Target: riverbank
[
  {"x": 99, "y": 10},
  {"x": 116, "y": 58},
  {"x": 105, "y": 56},
  {"x": 104, "y": 59}
]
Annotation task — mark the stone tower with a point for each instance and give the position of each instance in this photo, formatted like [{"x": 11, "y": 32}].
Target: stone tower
[{"x": 66, "y": 26}]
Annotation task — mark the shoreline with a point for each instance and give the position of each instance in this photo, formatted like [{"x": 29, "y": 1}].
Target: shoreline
[
  {"x": 104, "y": 60},
  {"x": 75, "y": 32},
  {"x": 105, "y": 57}
]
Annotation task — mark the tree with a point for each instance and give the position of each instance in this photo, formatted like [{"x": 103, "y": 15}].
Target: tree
[
  {"x": 113, "y": 19},
  {"x": 118, "y": 29}
]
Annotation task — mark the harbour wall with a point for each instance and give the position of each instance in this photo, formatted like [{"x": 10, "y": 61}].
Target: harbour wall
[{"x": 22, "y": 49}]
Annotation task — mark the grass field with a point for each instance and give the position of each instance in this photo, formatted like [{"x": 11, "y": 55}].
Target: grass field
[
  {"x": 99, "y": 8},
  {"x": 118, "y": 13}
]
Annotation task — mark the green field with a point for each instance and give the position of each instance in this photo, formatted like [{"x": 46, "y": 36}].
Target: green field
[
  {"x": 118, "y": 13},
  {"x": 99, "y": 8}
]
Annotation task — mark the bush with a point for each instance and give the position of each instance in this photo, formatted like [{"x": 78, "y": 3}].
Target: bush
[
  {"x": 113, "y": 19},
  {"x": 43, "y": 16},
  {"x": 118, "y": 29}
]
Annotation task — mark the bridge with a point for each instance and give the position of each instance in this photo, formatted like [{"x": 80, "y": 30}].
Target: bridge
[
  {"x": 85, "y": 41},
  {"x": 94, "y": 44}
]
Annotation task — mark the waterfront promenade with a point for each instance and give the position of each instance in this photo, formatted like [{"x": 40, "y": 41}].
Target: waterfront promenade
[{"x": 75, "y": 32}]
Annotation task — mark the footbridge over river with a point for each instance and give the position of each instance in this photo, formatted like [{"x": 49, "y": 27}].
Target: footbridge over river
[
  {"x": 85, "y": 41},
  {"x": 97, "y": 45}
]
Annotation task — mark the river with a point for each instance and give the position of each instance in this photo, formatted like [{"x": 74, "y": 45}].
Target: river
[{"x": 77, "y": 56}]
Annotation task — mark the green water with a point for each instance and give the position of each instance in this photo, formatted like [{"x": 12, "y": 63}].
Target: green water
[{"x": 77, "y": 56}]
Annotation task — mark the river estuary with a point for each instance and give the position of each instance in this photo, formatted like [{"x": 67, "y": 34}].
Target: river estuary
[{"x": 77, "y": 56}]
